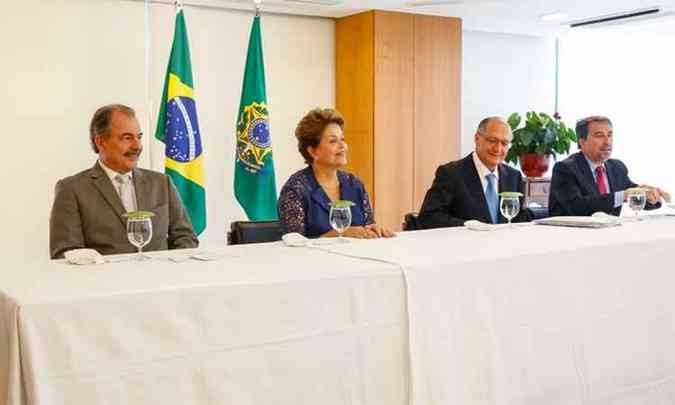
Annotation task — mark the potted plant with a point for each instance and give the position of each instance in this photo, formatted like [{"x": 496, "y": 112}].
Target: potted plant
[{"x": 540, "y": 137}]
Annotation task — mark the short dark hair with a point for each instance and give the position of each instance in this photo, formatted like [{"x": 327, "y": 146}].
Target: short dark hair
[
  {"x": 100, "y": 122},
  {"x": 582, "y": 126},
  {"x": 311, "y": 127}
]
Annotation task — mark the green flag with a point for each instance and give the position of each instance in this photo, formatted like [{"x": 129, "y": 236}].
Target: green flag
[
  {"x": 254, "y": 182},
  {"x": 178, "y": 128}
]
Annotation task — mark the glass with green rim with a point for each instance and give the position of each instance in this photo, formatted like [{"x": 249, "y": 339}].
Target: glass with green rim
[
  {"x": 139, "y": 230},
  {"x": 510, "y": 205},
  {"x": 340, "y": 216}
]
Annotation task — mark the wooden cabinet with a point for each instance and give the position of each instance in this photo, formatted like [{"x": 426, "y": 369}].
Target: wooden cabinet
[{"x": 398, "y": 84}]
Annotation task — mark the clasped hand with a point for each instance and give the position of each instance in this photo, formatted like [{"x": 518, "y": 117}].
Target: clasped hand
[{"x": 372, "y": 231}]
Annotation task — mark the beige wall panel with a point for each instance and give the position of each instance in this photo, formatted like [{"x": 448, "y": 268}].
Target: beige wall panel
[
  {"x": 393, "y": 117},
  {"x": 437, "y": 106},
  {"x": 354, "y": 91}
]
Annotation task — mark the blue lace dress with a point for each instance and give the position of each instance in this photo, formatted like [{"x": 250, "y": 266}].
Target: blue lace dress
[{"x": 304, "y": 206}]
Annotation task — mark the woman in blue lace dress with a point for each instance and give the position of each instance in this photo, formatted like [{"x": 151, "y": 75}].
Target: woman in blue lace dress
[{"x": 304, "y": 202}]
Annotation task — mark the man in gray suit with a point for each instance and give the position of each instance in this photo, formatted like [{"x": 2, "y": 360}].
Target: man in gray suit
[{"x": 88, "y": 207}]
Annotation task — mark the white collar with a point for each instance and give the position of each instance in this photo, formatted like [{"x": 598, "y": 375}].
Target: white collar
[
  {"x": 111, "y": 173},
  {"x": 483, "y": 170},
  {"x": 592, "y": 164}
]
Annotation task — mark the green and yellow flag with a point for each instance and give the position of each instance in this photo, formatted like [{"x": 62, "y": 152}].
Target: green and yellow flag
[
  {"x": 254, "y": 183},
  {"x": 178, "y": 128}
]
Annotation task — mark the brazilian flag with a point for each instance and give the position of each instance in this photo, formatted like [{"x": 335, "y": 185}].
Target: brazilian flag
[
  {"x": 178, "y": 128},
  {"x": 254, "y": 183}
]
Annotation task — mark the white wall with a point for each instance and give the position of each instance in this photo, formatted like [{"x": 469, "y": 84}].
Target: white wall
[
  {"x": 504, "y": 73},
  {"x": 64, "y": 58},
  {"x": 625, "y": 72}
]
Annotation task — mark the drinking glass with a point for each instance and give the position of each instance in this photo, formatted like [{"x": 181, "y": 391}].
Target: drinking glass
[
  {"x": 139, "y": 233},
  {"x": 340, "y": 216},
  {"x": 637, "y": 199},
  {"x": 510, "y": 206}
]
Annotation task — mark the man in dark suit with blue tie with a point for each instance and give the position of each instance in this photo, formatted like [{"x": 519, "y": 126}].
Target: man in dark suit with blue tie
[
  {"x": 589, "y": 181},
  {"x": 468, "y": 188}
]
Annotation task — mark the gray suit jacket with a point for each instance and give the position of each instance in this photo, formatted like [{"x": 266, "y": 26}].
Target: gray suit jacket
[{"x": 87, "y": 212}]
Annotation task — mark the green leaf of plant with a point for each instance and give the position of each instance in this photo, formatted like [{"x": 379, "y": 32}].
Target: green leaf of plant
[
  {"x": 514, "y": 120},
  {"x": 526, "y": 138},
  {"x": 540, "y": 134}
]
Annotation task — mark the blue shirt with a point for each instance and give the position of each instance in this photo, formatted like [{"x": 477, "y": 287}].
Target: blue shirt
[{"x": 304, "y": 205}]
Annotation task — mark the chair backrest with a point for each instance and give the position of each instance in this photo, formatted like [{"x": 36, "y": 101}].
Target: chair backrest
[
  {"x": 538, "y": 212},
  {"x": 410, "y": 222},
  {"x": 242, "y": 232}
]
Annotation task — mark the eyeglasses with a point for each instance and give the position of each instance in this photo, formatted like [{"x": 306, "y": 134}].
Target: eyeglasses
[{"x": 495, "y": 141}]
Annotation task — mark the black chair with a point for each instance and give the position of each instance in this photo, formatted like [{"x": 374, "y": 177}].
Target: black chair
[
  {"x": 242, "y": 232},
  {"x": 410, "y": 222},
  {"x": 537, "y": 212}
]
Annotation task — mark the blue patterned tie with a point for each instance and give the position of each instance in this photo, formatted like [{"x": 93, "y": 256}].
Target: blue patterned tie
[{"x": 491, "y": 197}]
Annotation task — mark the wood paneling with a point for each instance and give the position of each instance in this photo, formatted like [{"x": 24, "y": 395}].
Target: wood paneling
[
  {"x": 393, "y": 117},
  {"x": 354, "y": 91},
  {"x": 398, "y": 84},
  {"x": 437, "y": 99}
]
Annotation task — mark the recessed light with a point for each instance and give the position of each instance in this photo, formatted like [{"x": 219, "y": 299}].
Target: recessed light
[{"x": 553, "y": 16}]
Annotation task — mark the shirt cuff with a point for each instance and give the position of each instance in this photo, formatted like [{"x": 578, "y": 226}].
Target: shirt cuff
[{"x": 618, "y": 199}]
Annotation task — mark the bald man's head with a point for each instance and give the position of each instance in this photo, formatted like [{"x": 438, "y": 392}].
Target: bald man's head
[{"x": 493, "y": 140}]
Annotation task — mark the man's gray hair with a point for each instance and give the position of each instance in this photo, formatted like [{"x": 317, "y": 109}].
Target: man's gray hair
[
  {"x": 100, "y": 122},
  {"x": 482, "y": 126}
]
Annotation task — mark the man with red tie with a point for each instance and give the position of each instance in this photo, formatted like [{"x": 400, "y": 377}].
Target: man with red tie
[{"x": 589, "y": 181}]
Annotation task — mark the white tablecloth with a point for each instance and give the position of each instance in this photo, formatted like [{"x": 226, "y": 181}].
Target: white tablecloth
[
  {"x": 540, "y": 315},
  {"x": 274, "y": 325},
  {"x": 528, "y": 315}
]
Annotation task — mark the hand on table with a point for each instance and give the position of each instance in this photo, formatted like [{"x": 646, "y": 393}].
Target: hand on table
[
  {"x": 380, "y": 231},
  {"x": 655, "y": 194}
]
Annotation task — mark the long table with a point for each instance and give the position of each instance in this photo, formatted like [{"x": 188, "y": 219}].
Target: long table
[{"x": 523, "y": 315}]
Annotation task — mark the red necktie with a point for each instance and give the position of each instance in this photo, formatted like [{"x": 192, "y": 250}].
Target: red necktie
[{"x": 600, "y": 178}]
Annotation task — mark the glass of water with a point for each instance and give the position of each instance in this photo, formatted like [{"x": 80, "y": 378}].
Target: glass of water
[
  {"x": 340, "y": 216},
  {"x": 637, "y": 199},
  {"x": 510, "y": 205},
  {"x": 139, "y": 231}
]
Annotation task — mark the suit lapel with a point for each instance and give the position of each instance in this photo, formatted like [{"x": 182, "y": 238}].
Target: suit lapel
[
  {"x": 503, "y": 186},
  {"x": 318, "y": 195},
  {"x": 140, "y": 189},
  {"x": 346, "y": 193},
  {"x": 475, "y": 186},
  {"x": 105, "y": 187},
  {"x": 586, "y": 175},
  {"x": 611, "y": 176},
  {"x": 503, "y": 180}
]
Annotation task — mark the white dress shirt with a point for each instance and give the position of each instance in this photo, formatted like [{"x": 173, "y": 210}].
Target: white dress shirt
[
  {"x": 484, "y": 171},
  {"x": 112, "y": 174}
]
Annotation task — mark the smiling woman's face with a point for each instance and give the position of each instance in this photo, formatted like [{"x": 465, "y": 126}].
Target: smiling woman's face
[{"x": 332, "y": 149}]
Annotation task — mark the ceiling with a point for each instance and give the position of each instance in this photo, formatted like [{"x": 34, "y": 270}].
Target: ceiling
[{"x": 508, "y": 16}]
